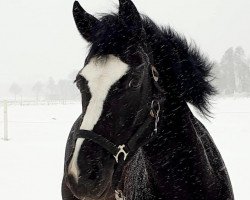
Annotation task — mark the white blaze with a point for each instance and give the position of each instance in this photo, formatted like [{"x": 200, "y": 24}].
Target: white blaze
[
  {"x": 100, "y": 76},
  {"x": 73, "y": 167}
]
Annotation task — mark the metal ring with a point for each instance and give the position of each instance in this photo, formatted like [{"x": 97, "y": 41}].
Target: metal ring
[
  {"x": 155, "y": 73},
  {"x": 155, "y": 112}
]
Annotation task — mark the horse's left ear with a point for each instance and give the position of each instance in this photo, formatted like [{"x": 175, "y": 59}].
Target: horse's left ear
[{"x": 129, "y": 14}]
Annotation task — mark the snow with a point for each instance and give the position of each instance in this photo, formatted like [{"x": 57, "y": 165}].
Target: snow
[{"x": 31, "y": 164}]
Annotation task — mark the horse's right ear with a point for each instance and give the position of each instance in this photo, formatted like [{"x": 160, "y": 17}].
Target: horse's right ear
[{"x": 84, "y": 21}]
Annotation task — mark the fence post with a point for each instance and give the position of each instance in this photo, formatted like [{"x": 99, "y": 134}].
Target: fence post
[{"x": 5, "y": 120}]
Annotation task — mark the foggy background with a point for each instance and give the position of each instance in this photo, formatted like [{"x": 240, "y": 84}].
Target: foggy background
[{"x": 41, "y": 50}]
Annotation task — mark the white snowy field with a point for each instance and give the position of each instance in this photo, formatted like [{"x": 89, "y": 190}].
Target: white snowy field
[{"x": 31, "y": 162}]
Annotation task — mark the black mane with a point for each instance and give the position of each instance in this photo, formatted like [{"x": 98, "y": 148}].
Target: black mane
[
  {"x": 182, "y": 67},
  {"x": 191, "y": 69}
]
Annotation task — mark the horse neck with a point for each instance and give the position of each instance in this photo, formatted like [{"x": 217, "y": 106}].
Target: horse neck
[{"x": 172, "y": 136}]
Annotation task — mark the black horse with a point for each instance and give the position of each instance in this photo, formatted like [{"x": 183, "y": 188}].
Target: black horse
[{"x": 136, "y": 136}]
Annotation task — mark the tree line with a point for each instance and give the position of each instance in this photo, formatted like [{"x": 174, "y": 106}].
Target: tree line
[
  {"x": 231, "y": 77},
  {"x": 232, "y": 73},
  {"x": 63, "y": 89}
]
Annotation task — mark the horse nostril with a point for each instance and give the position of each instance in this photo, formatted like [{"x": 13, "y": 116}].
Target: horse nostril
[{"x": 94, "y": 173}]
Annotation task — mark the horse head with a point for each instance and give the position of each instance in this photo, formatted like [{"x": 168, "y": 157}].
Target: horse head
[
  {"x": 134, "y": 74},
  {"x": 116, "y": 89}
]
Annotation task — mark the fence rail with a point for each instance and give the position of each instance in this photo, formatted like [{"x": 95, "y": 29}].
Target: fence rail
[
  {"x": 5, "y": 119},
  {"x": 43, "y": 102},
  {"x": 6, "y": 103}
]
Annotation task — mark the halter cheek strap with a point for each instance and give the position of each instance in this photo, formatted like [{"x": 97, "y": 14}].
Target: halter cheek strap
[{"x": 142, "y": 137}]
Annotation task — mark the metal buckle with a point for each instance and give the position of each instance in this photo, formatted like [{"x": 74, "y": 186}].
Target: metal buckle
[
  {"x": 121, "y": 150},
  {"x": 155, "y": 73},
  {"x": 154, "y": 112}
]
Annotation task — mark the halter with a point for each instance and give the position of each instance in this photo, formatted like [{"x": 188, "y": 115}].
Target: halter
[
  {"x": 124, "y": 152},
  {"x": 131, "y": 147}
]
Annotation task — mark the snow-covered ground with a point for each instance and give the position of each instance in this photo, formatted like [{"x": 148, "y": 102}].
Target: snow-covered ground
[{"x": 31, "y": 162}]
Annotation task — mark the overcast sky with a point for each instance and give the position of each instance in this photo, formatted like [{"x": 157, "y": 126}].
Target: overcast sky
[{"x": 39, "y": 39}]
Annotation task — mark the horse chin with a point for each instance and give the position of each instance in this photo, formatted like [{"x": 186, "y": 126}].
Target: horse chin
[
  {"x": 107, "y": 193},
  {"x": 103, "y": 193}
]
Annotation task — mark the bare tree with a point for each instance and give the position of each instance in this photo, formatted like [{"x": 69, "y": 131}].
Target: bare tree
[
  {"x": 242, "y": 71},
  {"x": 67, "y": 90},
  {"x": 37, "y": 89},
  {"x": 15, "y": 89},
  {"x": 233, "y": 72},
  {"x": 227, "y": 66},
  {"x": 51, "y": 87}
]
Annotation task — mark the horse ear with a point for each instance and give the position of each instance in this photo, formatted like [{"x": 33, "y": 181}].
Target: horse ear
[
  {"x": 129, "y": 14},
  {"x": 84, "y": 21}
]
